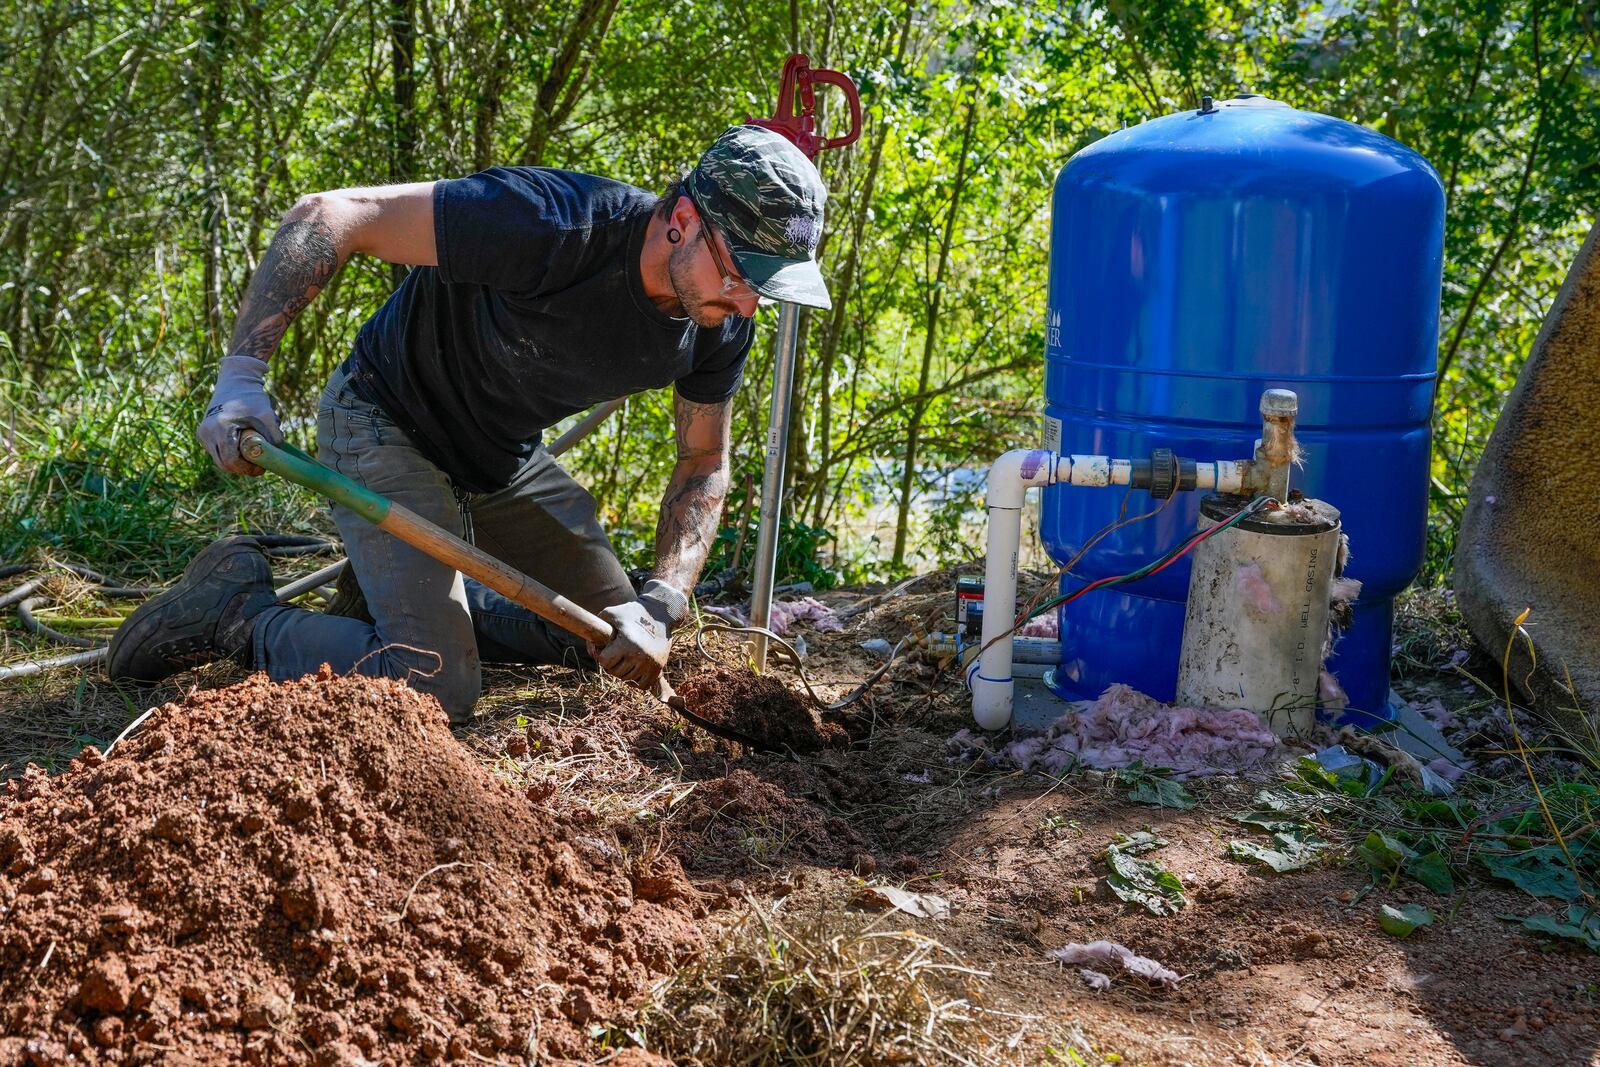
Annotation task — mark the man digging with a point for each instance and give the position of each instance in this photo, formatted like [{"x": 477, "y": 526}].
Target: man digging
[{"x": 537, "y": 294}]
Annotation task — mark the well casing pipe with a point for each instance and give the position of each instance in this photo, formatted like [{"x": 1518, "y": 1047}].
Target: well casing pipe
[{"x": 766, "y": 560}]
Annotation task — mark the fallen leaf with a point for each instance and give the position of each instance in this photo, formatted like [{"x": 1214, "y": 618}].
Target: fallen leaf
[
  {"x": 1156, "y": 790},
  {"x": 1139, "y": 881},
  {"x": 1403, "y": 921},
  {"x": 922, "y": 905},
  {"x": 1433, "y": 871},
  {"x": 1539, "y": 872},
  {"x": 1292, "y": 853},
  {"x": 1582, "y": 926}
]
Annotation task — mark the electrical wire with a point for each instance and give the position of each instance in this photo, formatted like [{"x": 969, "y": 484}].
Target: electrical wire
[
  {"x": 1122, "y": 520},
  {"x": 1154, "y": 567},
  {"x": 860, "y": 691},
  {"x": 793, "y": 655}
]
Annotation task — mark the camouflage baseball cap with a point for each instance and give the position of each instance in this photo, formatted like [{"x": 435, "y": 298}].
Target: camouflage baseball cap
[{"x": 766, "y": 198}]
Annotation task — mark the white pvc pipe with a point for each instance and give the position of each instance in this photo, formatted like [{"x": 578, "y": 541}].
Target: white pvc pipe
[
  {"x": 1010, "y": 478},
  {"x": 989, "y": 676}
]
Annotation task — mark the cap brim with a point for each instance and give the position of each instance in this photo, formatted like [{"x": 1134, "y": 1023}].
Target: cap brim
[{"x": 797, "y": 281}]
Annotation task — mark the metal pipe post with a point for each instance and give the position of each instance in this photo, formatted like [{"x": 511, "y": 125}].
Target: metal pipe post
[
  {"x": 586, "y": 425},
  {"x": 766, "y": 561}
]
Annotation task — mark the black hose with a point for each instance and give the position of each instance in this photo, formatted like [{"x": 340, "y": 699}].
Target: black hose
[
  {"x": 25, "y": 613},
  {"x": 22, "y": 596},
  {"x": 294, "y": 544},
  {"x": 21, "y": 592}
]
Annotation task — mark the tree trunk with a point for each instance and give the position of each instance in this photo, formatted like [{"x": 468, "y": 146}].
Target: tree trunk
[
  {"x": 842, "y": 291},
  {"x": 565, "y": 80},
  {"x": 930, "y": 337},
  {"x": 209, "y": 108},
  {"x": 402, "y": 52},
  {"x": 491, "y": 77}
]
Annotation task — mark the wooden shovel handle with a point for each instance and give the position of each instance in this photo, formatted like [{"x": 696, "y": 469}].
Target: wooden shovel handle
[{"x": 416, "y": 531}]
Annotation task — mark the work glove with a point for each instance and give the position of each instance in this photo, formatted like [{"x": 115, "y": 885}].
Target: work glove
[
  {"x": 239, "y": 403},
  {"x": 641, "y": 634}
]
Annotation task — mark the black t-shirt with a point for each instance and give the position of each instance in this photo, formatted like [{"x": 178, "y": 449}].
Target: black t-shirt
[{"x": 536, "y": 311}]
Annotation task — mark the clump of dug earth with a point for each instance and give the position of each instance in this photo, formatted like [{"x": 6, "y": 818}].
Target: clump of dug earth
[
  {"x": 762, "y": 708},
  {"x": 313, "y": 871}
]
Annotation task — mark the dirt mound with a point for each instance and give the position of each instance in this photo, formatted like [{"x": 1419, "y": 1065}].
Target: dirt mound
[
  {"x": 305, "y": 871},
  {"x": 761, "y": 707}
]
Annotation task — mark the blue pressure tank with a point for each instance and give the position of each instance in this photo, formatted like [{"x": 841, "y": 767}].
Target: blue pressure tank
[{"x": 1197, "y": 260}]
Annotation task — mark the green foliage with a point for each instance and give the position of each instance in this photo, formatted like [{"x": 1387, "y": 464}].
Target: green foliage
[
  {"x": 1544, "y": 840},
  {"x": 801, "y": 548},
  {"x": 1359, "y": 782},
  {"x": 1539, "y": 872},
  {"x": 110, "y": 474},
  {"x": 1291, "y": 850},
  {"x": 1141, "y": 881},
  {"x": 1582, "y": 926},
  {"x": 1147, "y": 787},
  {"x": 1294, "y": 844},
  {"x": 1389, "y": 854},
  {"x": 147, "y": 154},
  {"x": 1518, "y": 848}
]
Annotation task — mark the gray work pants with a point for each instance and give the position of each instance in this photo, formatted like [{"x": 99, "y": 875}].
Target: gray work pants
[{"x": 431, "y": 628}]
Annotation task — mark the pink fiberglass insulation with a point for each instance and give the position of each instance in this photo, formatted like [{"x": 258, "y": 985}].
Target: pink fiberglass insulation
[
  {"x": 1111, "y": 952},
  {"x": 1344, "y": 590},
  {"x": 1047, "y": 626},
  {"x": 785, "y": 613},
  {"x": 1331, "y": 693},
  {"x": 1125, "y": 726},
  {"x": 1255, "y": 592}
]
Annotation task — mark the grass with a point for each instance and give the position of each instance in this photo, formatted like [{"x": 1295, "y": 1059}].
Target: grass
[
  {"x": 103, "y": 468},
  {"x": 826, "y": 990}
]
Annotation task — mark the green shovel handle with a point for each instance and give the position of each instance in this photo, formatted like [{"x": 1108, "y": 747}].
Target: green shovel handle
[{"x": 289, "y": 462}]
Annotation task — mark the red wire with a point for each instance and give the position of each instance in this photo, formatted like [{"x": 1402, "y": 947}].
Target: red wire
[{"x": 1169, "y": 561}]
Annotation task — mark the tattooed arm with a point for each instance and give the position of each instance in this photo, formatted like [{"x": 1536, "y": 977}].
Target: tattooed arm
[
  {"x": 642, "y": 630},
  {"x": 394, "y": 223},
  {"x": 320, "y": 232},
  {"x": 692, "y": 507}
]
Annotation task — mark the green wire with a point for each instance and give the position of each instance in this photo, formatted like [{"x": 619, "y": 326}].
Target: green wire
[{"x": 1183, "y": 546}]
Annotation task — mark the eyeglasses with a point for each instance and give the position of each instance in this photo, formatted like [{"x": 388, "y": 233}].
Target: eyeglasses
[{"x": 732, "y": 287}]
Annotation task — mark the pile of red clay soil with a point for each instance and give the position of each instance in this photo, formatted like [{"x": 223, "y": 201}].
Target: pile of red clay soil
[
  {"x": 313, "y": 872},
  {"x": 762, "y": 708}
]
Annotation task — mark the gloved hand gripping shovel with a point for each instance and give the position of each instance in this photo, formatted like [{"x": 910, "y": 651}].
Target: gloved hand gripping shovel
[{"x": 291, "y": 463}]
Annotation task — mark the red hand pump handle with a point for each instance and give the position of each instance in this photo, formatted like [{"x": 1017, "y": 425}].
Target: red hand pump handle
[{"x": 796, "y": 114}]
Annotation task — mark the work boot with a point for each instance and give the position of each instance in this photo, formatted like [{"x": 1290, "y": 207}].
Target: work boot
[
  {"x": 205, "y": 617},
  {"x": 348, "y": 599}
]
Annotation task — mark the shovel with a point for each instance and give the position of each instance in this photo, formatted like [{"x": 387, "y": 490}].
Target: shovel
[{"x": 294, "y": 465}]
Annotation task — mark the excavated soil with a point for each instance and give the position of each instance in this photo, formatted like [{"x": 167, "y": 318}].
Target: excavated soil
[
  {"x": 760, "y": 707},
  {"x": 314, "y": 872}
]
